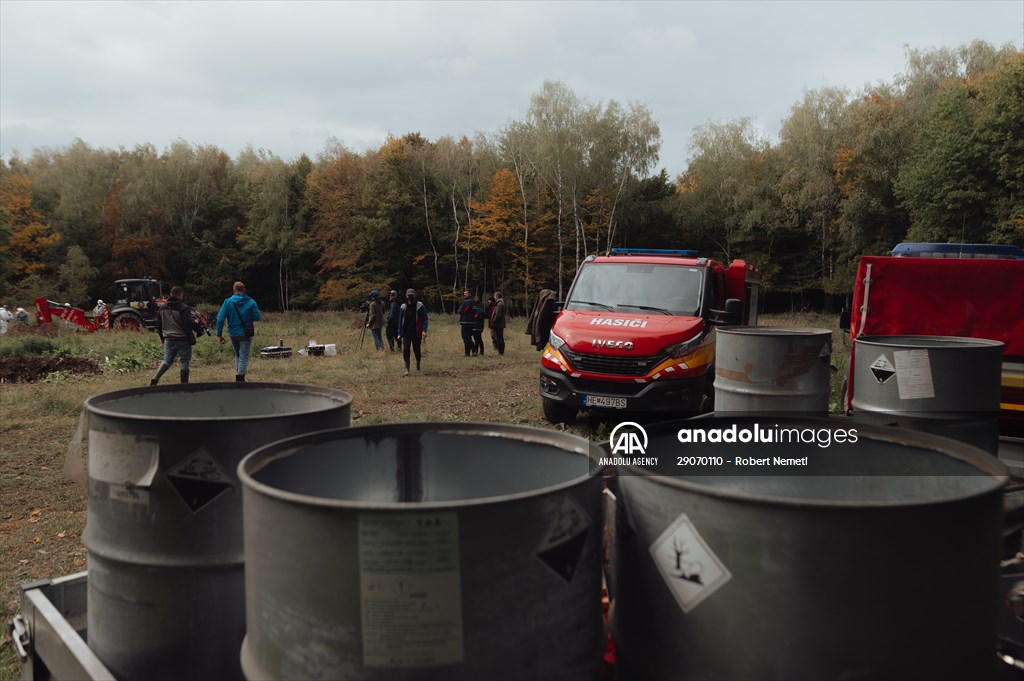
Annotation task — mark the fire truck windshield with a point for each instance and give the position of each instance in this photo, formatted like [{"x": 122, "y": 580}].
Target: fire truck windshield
[{"x": 661, "y": 289}]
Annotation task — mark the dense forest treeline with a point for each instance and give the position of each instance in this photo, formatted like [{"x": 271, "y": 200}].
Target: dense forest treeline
[{"x": 935, "y": 155}]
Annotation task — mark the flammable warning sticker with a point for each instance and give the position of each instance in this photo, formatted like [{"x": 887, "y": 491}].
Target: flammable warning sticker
[
  {"x": 199, "y": 479},
  {"x": 689, "y": 567},
  {"x": 565, "y": 539}
]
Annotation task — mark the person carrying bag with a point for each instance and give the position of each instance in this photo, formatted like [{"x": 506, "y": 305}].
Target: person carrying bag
[{"x": 240, "y": 312}]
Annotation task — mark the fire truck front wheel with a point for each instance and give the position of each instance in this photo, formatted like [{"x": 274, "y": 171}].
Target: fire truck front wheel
[
  {"x": 556, "y": 412},
  {"x": 127, "y": 321}
]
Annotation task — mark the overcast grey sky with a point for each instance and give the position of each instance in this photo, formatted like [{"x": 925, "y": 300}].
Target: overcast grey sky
[{"x": 287, "y": 76}]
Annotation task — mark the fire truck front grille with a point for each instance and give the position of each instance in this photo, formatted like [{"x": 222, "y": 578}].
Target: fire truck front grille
[{"x": 612, "y": 365}]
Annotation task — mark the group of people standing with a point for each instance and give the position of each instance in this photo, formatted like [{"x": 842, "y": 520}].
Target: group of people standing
[
  {"x": 177, "y": 327},
  {"x": 6, "y": 317},
  {"x": 405, "y": 324},
  {"x": 471, "y": 322}
]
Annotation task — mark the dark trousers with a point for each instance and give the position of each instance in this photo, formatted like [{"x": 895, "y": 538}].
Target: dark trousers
[
  {"x": 411, "y": 341},
  {"x": 467, "y": 338},
  {"x": 498, "y": 339},
  {"x": 478, "y": 341},
  {"x": 392, "y": 334}
]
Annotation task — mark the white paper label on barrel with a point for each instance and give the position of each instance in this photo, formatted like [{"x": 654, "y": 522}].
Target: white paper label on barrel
[
  {"x": 129, "y": 495},
  {"x": 123, "y": 458},
  {"x": 689, "y": 567},
  {"x": 913, "y": 374},
  {"x": 410, "y": 589}
]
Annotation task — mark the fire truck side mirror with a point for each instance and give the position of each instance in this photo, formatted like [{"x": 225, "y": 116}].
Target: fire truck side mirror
[
  {"x": 731, "y": 315},
  {"x": 844, "y": 319},
  {"x": 733, "y": 311}
]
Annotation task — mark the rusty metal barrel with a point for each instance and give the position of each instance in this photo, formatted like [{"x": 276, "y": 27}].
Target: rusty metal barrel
[
  {"x": 772, "y": 369},
  {"x": 164, "y": 528},
  {"x": 428, "y": 550},
  {"x": 873, "y": 556},
  {"x": 945, "y": 385}
]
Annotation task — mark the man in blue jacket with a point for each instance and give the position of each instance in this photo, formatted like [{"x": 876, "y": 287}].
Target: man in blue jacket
[{"x": 240, "y": 311}]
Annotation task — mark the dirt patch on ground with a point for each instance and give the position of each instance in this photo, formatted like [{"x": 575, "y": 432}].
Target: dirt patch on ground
[{"x": 31, "y": 369}]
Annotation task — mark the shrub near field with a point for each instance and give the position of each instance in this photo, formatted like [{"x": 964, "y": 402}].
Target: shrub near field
[{"x": 42, "y": 513}]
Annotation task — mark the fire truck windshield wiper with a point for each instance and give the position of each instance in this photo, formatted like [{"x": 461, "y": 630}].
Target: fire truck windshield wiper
[
  {"x": 587, "y": 302},
  {"x": 646, "y": 307}
]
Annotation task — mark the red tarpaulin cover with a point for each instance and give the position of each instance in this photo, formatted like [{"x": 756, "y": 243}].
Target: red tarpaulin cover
[{"x": 972, "y": 297}]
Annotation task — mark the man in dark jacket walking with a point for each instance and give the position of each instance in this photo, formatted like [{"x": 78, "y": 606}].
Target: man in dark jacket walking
[
  {"x": 467, "y": 321},
  {"x": 176, "y": 329},
  {"x": 412, "y": 327}
]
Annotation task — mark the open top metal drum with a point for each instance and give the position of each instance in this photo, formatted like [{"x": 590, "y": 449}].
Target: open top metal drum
[
  {"x": 413, "y": 551},
  {"x": 164, "y": 527},
  {"x": 777, "y": 551}
]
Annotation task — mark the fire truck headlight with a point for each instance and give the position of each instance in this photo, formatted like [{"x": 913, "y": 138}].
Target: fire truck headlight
[
  {"x": 678, "y": 350},
  {"x": 555, "y": 341}
]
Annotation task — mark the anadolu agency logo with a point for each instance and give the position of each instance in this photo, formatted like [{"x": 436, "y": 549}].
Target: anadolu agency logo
[
  {"x": 628, "y": 443},
  {"x": 628, "y": 438}
]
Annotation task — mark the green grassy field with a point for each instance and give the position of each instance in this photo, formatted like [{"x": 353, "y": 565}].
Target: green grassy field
[{"x": 42, "y": 513}]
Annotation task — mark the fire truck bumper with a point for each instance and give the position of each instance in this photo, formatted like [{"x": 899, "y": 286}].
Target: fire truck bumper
[{"x": 666, "y": 395}]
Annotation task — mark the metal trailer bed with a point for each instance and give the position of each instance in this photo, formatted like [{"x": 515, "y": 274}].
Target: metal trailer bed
[{"x": 49, "y": 634}]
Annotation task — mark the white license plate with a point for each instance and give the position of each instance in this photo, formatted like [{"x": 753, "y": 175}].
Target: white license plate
[{"x": 602, "y": 401}]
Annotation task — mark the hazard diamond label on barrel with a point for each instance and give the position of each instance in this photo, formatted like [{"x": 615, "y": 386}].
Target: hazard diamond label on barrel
[
  {"x": 689, "y": 567},
  {"x": 883, "y": 369},
  {"x": 198, "y": 479},
  {"x": 565, "y": 539}
]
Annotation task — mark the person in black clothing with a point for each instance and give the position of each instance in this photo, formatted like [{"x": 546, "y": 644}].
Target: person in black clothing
[
  {"x": 496, "y": 320},
  {"x": 391, "y": 320},
  {"x": 467, "y": 320},
  {"x": 375, "y": 319},
  {"x": 479, "y": 317},
  {"x": 412, "y": 327},
  {"x": 176, "y": 328}
]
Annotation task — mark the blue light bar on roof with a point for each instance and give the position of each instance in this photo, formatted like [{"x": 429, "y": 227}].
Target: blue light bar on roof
[
  {"x": 939, "y": 250},
  {"x": 651, "y": 251}
]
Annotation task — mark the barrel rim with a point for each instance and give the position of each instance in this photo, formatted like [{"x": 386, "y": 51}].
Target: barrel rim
[
  {"x": 775, "y": 331},
  {"x": 979, "y": 458},
  {"x": 921, "y": 341},
  {"x": 259, "y": 458},
  {"x": 94, "y": 404}
]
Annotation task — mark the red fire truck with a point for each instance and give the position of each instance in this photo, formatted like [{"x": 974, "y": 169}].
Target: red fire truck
[{"x": 637, "y": 332}]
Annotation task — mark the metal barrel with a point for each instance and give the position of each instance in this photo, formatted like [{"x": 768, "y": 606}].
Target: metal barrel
[
  {"x": 428, "y": 550},
  {"x": 939, "y": 384},
  {"x": 880, "y": 560},
  {"x": 164, "y": 526},
  {"x": 772, "y": 369}
]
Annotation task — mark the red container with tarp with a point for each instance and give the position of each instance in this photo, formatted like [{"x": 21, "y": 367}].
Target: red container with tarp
[{"x": 968, "y": 297}]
